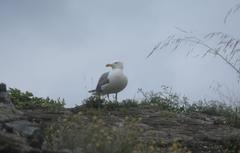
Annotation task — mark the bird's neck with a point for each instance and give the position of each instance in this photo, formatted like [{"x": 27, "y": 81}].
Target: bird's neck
[{"x": 117, "y": 70}]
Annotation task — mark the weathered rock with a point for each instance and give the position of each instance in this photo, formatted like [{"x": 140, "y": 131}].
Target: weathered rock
[
  {"x": 26, "y": 129},
  {"x": 199, "y": 132},
  {"x": 4, "y": 97},
  {"x": 3, "y": 87},
  {"x": 6, "y": 106},
  {"x": 22, "y": 132},
  {"x": 12, "y": 143},
  {"x": 17, "y": 134}
]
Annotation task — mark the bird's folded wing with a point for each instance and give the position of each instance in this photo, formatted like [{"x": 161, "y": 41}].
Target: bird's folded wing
[{"x": 102, "y": 81}]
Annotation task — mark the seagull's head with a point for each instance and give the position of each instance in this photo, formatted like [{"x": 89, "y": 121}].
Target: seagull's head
[{"x": 116, "y": 65}]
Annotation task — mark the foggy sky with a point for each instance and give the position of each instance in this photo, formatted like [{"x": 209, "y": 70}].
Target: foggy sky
[{"x": 59, "y": 48}]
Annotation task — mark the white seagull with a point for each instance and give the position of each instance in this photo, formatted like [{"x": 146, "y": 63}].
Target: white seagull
[{"x": 111, "y": 82}]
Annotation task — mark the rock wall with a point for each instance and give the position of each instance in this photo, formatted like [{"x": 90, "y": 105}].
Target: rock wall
[{"x": 21, "y": 132}]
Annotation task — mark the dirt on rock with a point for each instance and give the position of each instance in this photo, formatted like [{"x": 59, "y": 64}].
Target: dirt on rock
[{"x": 22, "y": 131}]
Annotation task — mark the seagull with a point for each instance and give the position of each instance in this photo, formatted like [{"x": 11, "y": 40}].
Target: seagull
[{"x": 111, "y": 82}]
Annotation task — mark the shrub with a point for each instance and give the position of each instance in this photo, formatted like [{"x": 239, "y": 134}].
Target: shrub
[
  {"x": 95, "y": 135},
  {"x": 102, "y": 103},
  {"x": 25, "y": 100},
  {"x": 230, "y": 113},
  {"x": 170, "y": 101},
  {"x": 164, "y": 100},
  {"x": 94, "y": 102}
]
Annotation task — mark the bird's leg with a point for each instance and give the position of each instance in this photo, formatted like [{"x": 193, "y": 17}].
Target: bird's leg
[
  {"x": 116, "y": 97},
  {"x": 108, "y": 97},
  {"x": 113, "y": 97},
  {"x": 99, "y": 100}
]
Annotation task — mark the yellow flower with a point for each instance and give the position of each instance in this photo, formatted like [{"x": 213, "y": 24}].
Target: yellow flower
[
  {"x": 94, "y": 117},
  {"x": 114, "y": 129},
  {"x": 102, "y": 131},
  {"x": 151, "y": 148},
  {"x": 109, "y": 138},
  {"x": 97, "y": 145}
]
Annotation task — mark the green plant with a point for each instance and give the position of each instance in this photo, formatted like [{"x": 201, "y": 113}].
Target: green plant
[
  {"x": 232, "y": 145},
  {"x": 216, "y": 108},
  {"x": 94, "y": 134},
  {"x": 170, "y": 101},
  {"x": 164, "y": 100},
  {"x": 102, "y": 103},
  {"x": 25, "y": 100},
  {"x": 94, "y": 102}
]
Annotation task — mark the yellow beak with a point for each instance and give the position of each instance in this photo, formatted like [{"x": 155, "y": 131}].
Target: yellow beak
[{"x": 109, "y": 65}]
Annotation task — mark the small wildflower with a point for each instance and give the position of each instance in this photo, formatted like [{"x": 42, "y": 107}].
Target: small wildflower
[
  {"x": 94, "y": 118},
  {"x": 97, "y": 145},
  {"x": 151, "y": 148}
]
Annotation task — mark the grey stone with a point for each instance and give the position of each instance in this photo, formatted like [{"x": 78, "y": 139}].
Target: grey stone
[
  {"x": 4, "y": 96},
  {"x": 11, "y": 143},
  {"x": 27, "y": 129},
  {"x": 3, "y": 87},
  {"x": 23, "y": 127}
]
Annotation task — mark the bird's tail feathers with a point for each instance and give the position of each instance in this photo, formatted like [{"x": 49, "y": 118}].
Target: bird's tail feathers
[{"x": 92, "y": 91}]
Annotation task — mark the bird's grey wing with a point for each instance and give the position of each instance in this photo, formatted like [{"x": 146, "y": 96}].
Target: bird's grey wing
[{"x": 102, "y": 81}]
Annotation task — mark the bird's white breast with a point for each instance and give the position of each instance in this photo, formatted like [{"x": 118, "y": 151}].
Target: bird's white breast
[{"x": 117, "y": 82}]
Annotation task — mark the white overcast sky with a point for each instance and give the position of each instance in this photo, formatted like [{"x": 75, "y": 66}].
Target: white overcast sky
[{"x": 59, "y": 48}]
